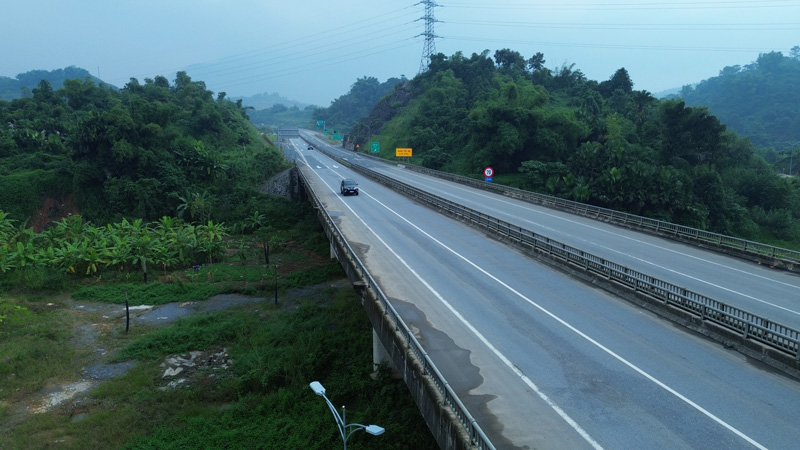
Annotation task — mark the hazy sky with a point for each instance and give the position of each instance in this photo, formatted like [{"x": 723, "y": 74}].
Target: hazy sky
[{"x": 313, "y": 50}]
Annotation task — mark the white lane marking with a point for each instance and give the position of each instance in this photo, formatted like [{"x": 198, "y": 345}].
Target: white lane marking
[
  {"x": 566, "y": 324},
  {"x": 573, "y": 329},
  {"x": 720, "y": 287},
  {"x": 483, "y": 339},
  {"x": 638, "y": 241},
  {"x": 474, "y": 331}
]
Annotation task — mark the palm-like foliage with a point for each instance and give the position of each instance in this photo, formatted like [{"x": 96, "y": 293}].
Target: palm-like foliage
[{"x": 75, "y": 247}]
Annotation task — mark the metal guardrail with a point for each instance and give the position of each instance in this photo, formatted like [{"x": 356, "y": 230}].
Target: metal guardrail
[
  {"x": 747, "y": 325},
  {"x": 476, "y": 434},
  {"x": 785, "y": 258}
]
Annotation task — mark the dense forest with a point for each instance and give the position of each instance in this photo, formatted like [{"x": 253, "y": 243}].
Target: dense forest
[
  {"x": 98, "y": 188},
  {"x": 160, "y": 148},
  {"x": 604, "y": 143},
  {"x": 280, "y": 114},
  {"x": 342, "y": 114},
  {"x": 24, "y": 83},
  {"x": 348, "y": 109},
  {"x": 759, "y": 101},
  {"x": 144, "y": 151}
]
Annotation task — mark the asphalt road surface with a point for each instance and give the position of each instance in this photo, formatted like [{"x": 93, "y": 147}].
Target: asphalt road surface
[{"x": 543, "y": 361}]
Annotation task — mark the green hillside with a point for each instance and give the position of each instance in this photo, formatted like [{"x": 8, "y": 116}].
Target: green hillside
[
  {"x": 599, "y": 142},
  {"x": 760, "y": 101},
  {"x": 144, "y": 151},
  {"x": 23, "y": 84}
]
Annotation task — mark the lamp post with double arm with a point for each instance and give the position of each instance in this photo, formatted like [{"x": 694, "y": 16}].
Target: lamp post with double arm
[{"x": 345, "y": 429}]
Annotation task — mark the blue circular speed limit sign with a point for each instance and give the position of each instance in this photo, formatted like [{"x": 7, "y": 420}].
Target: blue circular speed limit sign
[{"x": 488, "y": 172}]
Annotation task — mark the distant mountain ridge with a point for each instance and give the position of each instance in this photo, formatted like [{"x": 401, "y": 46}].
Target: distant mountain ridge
[
  {"x": 760, "y": 101},
  {"x": 265, "y": 101},
  {"x": 24, "y": 83}
]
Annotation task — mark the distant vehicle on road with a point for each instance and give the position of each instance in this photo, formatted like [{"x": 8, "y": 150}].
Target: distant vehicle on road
[
  {"x": 348, "y": 187},
  {"x": 311, "y": 147}
]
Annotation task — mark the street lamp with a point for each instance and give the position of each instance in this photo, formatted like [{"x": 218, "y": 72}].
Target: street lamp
[{"x": 345, "y": 429}]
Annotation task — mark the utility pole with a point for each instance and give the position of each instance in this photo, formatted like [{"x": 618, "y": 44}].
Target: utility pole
[{"x": 429, "y": 47}]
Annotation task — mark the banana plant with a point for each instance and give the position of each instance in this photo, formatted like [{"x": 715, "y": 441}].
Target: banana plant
[
  {"x": 7, "y": 229},
  {"x": 120, "y": 252},
  {"x": 186, "y": 242},
  {"x": 141, "y": 243},
  {"x": 211, "y": 239},
  {"x": 94, "y": 256},
  {"x": 24, "y": 255},
  {"x": 167, "y": 251},
  {"x": 49, "y": 257},
  {"x": 164, "y": 253},
  {"x": 69, "y": 228},
  {"x": 6, "y": 263}
]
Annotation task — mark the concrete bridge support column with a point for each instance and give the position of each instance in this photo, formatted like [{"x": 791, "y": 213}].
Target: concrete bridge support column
[{"x": 379, "y": 354}]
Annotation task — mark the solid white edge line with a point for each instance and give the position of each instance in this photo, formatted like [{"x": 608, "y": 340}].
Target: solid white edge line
[
  {"x": 508, "y": 363},
  {"x": 585, "y": 435},
  {"x": 578, "y": 332}
]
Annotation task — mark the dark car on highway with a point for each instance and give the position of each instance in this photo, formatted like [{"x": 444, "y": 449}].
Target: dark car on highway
[{"x": 349, "y": 187}]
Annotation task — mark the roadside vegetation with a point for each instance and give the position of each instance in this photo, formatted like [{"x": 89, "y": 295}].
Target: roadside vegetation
[
  {"x": 154, "y": 194},
  {"x": 317, "y": 330},
  {"x": 605, "y": 143}
]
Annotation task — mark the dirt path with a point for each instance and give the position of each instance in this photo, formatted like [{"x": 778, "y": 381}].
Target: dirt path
[{"x": 94, "y": 323}]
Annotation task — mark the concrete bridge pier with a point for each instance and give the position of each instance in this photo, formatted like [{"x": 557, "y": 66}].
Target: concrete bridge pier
[{"x": 380, "y": 355}]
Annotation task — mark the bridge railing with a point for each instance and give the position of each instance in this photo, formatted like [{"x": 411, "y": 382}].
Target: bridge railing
[
  {"x": 476, "y": 434},
  {"x": 747, "y": 326},
  {"x": 782, "y": 257}
]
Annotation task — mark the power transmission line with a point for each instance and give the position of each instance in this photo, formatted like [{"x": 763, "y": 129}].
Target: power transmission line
[{"x": 429, "y": 47}]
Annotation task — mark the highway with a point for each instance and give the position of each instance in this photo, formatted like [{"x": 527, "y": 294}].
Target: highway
[
  {"x": 773, "y": 294},
  {"x": 542, "y": 361}
]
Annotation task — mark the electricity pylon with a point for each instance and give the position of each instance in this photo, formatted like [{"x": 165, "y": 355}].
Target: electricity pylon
[{"x": 429, "y": 48}]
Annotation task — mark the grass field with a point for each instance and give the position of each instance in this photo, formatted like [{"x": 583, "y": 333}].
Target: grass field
[{"x": 256, "y": 396}]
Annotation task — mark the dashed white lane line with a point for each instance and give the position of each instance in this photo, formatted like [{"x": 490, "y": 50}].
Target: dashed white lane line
[{"x": 585, "y": 435}]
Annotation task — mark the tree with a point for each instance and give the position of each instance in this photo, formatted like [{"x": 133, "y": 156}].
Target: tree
[
  {"x": 758, "y": 100},
  {"x": 642, "y": 107},
  {"x": 619, "y": 81},
  {"x": 510, "y": 61},
  {"x": 691, "y": 135},
  {"x": 199, "y": 205},
  {"x": 536, "y": 62},
  {"x": 211, "y": 239}
]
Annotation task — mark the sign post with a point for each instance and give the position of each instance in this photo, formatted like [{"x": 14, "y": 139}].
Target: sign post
[
  {"x": 488, "y": 173},
  {"x": 374, "y": 147}
]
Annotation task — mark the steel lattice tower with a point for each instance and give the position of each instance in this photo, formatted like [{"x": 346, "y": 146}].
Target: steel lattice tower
[{"x": 429, "y": 48}]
